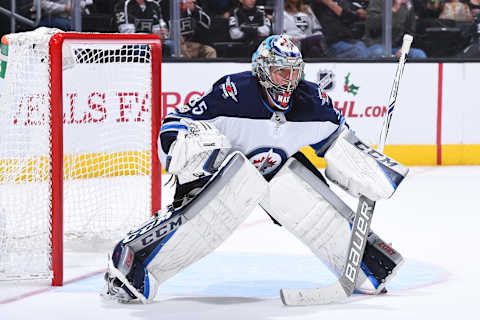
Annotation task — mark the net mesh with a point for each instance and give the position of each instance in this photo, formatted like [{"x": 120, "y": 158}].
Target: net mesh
[{"x": 107, "y": 147}]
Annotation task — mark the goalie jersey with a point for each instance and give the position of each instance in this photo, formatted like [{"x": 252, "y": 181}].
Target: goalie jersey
[{"x": 235, "y": 106}]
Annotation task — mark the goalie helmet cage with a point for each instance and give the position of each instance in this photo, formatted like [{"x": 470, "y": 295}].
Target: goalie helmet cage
[{"x": 110, "y": 185}]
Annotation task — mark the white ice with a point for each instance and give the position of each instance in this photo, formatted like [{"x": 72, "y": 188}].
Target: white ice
[{"x": 432, "y": 220}]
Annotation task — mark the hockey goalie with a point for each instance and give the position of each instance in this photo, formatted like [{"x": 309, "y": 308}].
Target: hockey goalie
[{"x": 238, "y": 147}]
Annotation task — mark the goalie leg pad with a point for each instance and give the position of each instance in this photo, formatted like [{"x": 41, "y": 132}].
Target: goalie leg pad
[
  {"x": 166, "y": 245},
  {"x": 322, "y": 221},
  {"x": 127, "y": 280}
]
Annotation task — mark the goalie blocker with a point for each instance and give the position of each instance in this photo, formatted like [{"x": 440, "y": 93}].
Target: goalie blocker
[
  {"x": 360, "y": 169},
  {"x": 178, "y": 237}
]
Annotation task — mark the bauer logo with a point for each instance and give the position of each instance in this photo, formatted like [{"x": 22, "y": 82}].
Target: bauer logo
[{"x": 360, "y": 232}]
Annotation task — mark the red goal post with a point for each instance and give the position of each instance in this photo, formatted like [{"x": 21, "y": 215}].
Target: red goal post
[{"x": 97, "y": 161}]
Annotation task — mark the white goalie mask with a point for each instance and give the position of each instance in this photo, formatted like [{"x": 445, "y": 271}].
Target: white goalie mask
[{"x": 278, "y": 65}]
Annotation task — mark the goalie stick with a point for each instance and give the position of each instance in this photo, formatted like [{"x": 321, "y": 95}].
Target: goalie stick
[{"x": 345, "y": 285}]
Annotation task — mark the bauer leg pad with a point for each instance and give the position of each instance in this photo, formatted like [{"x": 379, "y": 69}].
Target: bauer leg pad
[
  {"x": 166, "y": 245},
  {"x": 322, "y": 221}
]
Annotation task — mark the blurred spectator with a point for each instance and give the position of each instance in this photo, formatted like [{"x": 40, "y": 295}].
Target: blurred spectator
[
  {"x": 427, "y": 12},
  {"x": 337, "y": 18},
  {"x": 472, "y": 50},
  {"x": 56, "y": 14},
  {"x": 427, "y": 9},
  {"x": 269, "y": 7},
  {"x": 456, "y": 10},
  {"x": 193, "y": 22},
  {"x": 303, "y": 27},
  {"x": 132, "y": 16},
  {"x": 403, "y": 21},
  {"x": 103, "y": 6},
  {"x": 4, "y": 27},
  {"x": 474, "y": 7},
  {"x": 220, "y": 8},
  {"x": 142, "y": 16},
  {"x": 249, "y": 24}
]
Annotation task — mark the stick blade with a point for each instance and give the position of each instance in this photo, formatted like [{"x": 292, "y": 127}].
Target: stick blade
[{"x": 313, "y": 296}]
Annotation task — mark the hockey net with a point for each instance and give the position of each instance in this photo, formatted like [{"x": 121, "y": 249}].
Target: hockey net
[{"x": 79, "y": 117}]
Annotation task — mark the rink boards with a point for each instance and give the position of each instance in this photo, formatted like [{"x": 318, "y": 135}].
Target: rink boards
[{"x": 434, "y": 121}]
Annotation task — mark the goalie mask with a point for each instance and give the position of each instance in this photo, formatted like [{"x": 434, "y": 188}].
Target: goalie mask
[{"x": 278, "y": 65}]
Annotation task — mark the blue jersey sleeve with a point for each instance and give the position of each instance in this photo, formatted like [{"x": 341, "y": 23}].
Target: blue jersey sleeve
[
  {"x": 200, "y": 108},
  {"x": 313, "y": 104}
]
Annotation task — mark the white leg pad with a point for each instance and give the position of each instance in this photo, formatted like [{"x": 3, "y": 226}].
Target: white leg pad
[
  {"x": 321, "y": 224},
  {"x": 220, "y": 214}
]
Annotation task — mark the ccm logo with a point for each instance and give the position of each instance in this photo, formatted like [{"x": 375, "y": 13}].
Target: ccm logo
[
  {"x": 374, "y": 154},
  {"x": 361, "y": 232},
  {"x": 162, "y": 228}
]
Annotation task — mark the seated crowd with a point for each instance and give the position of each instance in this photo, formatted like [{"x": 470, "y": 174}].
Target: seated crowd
[{"x": 321, "y": 28}]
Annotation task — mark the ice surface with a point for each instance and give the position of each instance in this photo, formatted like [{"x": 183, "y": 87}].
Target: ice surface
[{"x": 432, "y": 220}]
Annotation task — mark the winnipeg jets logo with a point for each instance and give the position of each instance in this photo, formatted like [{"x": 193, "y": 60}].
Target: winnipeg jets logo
[
  {"x": 323, "y": 96},
  {"x": 229, "y": 90},
  {"x": 263, "y": 163},
  {"x": 267, "y": 160}
]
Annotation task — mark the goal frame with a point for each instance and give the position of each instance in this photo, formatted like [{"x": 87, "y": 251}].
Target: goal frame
[{"x": 56, "y": 125}]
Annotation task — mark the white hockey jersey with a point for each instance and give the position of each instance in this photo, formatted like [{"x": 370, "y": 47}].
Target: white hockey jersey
[{"x": 267, "y": 137}]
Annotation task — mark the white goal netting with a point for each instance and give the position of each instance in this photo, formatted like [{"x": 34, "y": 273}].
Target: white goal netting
[{"x": 107, "y": 143}]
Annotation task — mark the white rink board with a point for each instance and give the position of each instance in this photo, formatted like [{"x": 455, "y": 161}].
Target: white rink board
[
  {"x": 461, "y": 106},
  {"x": 415, "y": 116},
  {"x": 375, "y": 81},
  {"x": 92, "y": 92},
  {"x": 101, "y": 101}
]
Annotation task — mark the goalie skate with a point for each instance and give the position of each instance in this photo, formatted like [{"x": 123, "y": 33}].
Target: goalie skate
[{"x": 118, "y": 288}]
